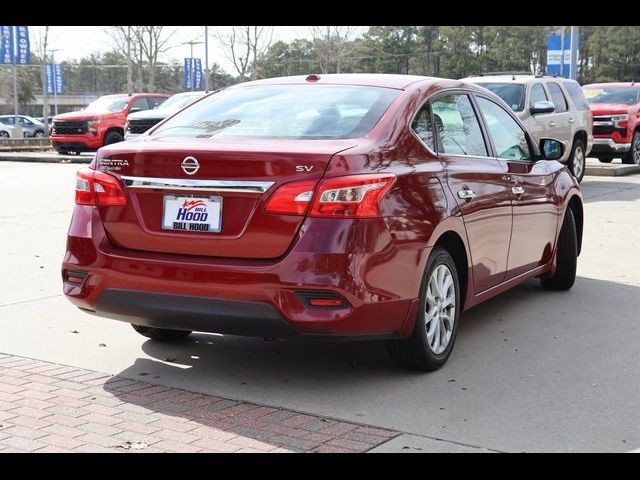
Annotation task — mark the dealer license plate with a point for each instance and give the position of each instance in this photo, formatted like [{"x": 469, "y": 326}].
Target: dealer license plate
[{"x": 192, "y": 213}]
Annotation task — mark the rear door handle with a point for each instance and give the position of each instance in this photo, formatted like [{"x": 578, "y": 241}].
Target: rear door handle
[
  {"x": 552, "y": 124},
  {"x": 466, "y": 194},
  {"x": 517, "y": 190}
]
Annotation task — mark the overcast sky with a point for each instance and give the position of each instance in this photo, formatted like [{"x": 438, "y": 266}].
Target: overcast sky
[{"x": 75, "y": 42}]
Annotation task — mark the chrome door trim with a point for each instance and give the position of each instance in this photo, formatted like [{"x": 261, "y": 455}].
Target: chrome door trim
[{"x": 243, "y": 186}]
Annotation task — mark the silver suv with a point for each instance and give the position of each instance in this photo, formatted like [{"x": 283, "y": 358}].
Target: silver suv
[{"x": 550, "y": 107}]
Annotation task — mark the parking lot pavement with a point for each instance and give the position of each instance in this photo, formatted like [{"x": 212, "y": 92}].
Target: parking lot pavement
[
  {"x": 48, "y": 407},
  {"x": 531, "y": 371}
]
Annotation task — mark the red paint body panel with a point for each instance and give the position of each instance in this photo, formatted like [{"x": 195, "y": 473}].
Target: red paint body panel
[{"x": 375, "y": 264}]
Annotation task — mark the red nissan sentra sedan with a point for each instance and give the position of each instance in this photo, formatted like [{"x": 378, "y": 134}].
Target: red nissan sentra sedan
[{"x": 366, "y": 206}]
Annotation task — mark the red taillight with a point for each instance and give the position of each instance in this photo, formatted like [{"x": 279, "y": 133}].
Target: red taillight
[
  {"x": 355, "y": 196},
  {"x": 98, "y": 188},
  {"x": 292, "y": 198}
]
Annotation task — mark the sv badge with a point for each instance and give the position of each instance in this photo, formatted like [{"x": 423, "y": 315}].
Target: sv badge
[{"x": 304, "y": 168}]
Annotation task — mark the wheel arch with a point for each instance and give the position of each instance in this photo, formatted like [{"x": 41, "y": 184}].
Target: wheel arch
[
  {"x": 452, "y": 242},
  {"x": 575, "y": 204}
]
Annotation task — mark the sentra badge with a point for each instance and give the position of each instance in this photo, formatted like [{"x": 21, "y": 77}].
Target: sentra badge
[{"x": 113, "y": 164}]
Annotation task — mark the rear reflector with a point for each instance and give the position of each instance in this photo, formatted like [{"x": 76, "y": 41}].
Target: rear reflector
[
  {"x": 98, "y": 188},
  {"x": 74, "y": 277},
  {"x": 353, "y": 196},
  {"x": 321, "y": 298}
]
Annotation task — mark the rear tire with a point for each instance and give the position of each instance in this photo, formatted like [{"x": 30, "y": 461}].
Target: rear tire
[
  {"x": 4, "y": 134},
  {"x": 567, "y": 257},
  {"x": 161, "y": 334},
  {"x": 38, "y": 134},
  {"x": 632, "y": 157},
  {"x": 605, "y": 159},
  {"x": 113, "y": 137},
  {"x": 436, "y": 325},
  {"x": 63, "y": 152},
  {"x": 577, "y": 162}
]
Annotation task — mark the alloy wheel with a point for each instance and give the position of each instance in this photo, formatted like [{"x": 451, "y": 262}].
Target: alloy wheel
[
  {"x": 578, "y": 161},
  {"x": 440, "y": 309}
]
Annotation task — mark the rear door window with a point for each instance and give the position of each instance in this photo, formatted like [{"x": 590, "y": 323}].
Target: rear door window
[
  {"x": 155, "y": 102},
  {"x": 141, "y": 104},
  {"x": 557, "y": 97},
  {"x": 458, "y": 127}
]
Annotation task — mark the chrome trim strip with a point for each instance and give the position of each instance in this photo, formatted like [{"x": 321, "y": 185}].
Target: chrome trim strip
[
  {"x": 244, "y": 186},
  {"x": 616, "y": 147}
]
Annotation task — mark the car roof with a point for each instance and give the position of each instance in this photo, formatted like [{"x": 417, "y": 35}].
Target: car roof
[
  {"x": 612, "y": 84},
  {"x": 399, "y": 82},
  {"x": 500, "y": 79}
]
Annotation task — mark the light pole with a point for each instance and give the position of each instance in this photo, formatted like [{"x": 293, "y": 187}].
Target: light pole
[
  {"x": 55, "y": 80},
  {"x": 206, "y": 59},
  {"x": 192, "y": 43}
]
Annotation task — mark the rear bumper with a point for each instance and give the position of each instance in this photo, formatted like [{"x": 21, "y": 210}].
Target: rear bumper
[
  {"x": 378, "y": 283},
  {"x": 609, "y": 146},
  {"x": 184, "y": 312}
]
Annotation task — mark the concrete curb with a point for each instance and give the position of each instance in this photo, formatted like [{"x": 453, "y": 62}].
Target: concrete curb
[
  {"x": 38, "y": 157},
  {"x": 611, "y": 170}
]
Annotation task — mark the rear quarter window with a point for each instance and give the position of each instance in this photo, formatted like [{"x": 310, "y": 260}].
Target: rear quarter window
[{"x": 575, "y": 92}]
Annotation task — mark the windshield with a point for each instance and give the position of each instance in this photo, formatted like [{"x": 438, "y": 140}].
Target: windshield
[
  {"x": 623, "y": 95},
  {"x": 108, "y": 104},
  {"x": 283, "y": 111},
  {"x": 511, "y": 93},
  {"x": 179, "y": 101}
]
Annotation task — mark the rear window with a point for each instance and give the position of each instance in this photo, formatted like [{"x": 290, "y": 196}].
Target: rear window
[
  {"x": 575, "y": 92},
  {"x": 283, "y": 111},
  {"x": 511, "y": 93}
]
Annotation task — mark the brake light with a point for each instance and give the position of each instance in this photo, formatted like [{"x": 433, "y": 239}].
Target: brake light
[
  {"x": 292, "y": 198},
  {"x": 98, "y": 188},
  {"x": 355, "y": 196}
]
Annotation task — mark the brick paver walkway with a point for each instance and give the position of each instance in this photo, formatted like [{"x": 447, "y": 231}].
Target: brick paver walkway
[{"x": 46, "y": 407}]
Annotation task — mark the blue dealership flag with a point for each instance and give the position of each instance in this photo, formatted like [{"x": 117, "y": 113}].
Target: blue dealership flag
[
  {"x": 23, "y": 52},
  {"x": 187, "y": 73},
  {"x": 49, "y": 79},
  {"x": 6, "y": 45},
  {"x": 54, "y": 78},
  {"x": 197, "y": 74},
  {"x": 59, "y": 76}
]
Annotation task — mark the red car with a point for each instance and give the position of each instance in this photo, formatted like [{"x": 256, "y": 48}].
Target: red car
[
  {"x": 366, "y": 206},
  {"x": 101, "y": 123},
  {"x": 616, "y": 120}
]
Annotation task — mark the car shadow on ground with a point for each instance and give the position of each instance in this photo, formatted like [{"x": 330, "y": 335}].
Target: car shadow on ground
[
  {"x": 527, "y": 329},
  {"x": 609, "y": 191}
]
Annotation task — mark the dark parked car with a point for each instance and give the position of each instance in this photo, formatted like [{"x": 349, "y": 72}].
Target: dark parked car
[
  {"x": 30, "y": 126},
  {"x": 360, "y": 206}
]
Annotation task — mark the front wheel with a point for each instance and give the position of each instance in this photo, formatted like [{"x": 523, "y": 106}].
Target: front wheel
[
  {"x": 632, "y": 157},
  {"x": 436, "y": 326},
  {"x": 39, "y": 134},
  {"x": 605, "y": 159},
  {"x": 4, "y": 134},
  {"x": 161, "y": 334},
  {"x": 577, "y": 160},
  {"x": 566, "y": 256},
  {"x": 113, "y": 137}
]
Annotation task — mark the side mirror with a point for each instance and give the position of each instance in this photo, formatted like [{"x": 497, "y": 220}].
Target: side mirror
[
  {"x": 134, "y": 110},
  {"x": 543, "y": 106},
  {"x": 551, "y": 149}
]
